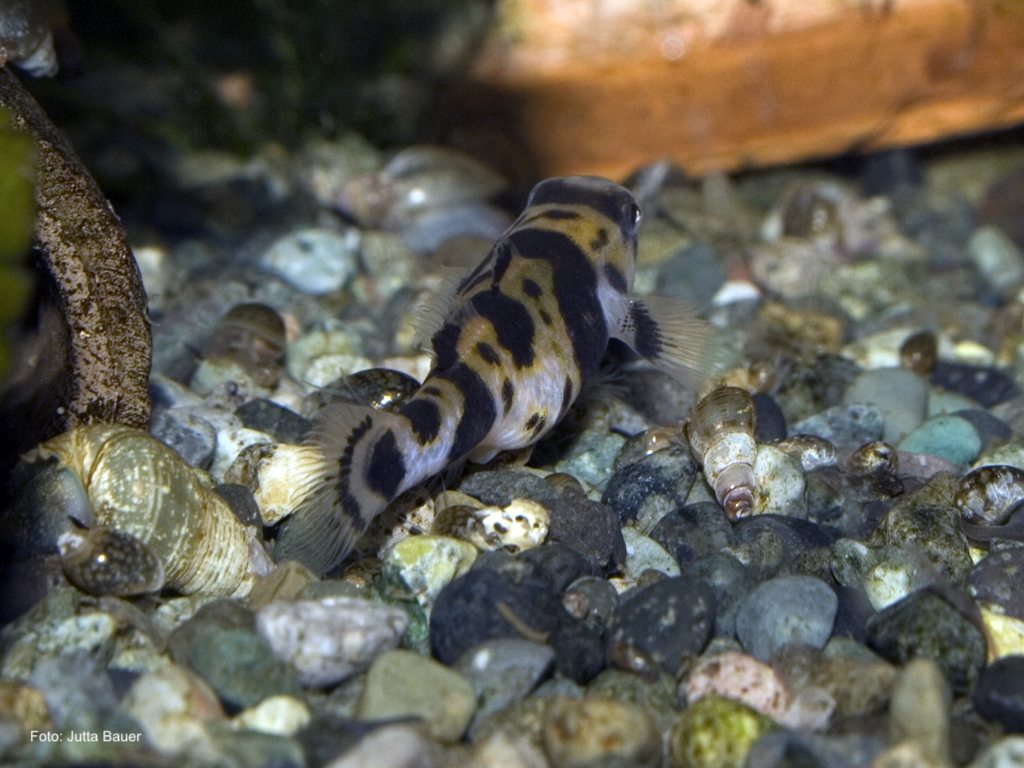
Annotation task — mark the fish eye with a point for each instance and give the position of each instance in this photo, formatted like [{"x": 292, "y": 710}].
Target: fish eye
[{"x": 634, "y": 214}]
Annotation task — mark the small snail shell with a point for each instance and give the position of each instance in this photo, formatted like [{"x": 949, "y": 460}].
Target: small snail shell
[
  {"x": 987, "y": 495},
  {"x": 252, "y": 335},
  {"x": 105, "y": 561},
  {"x": 721, "y": 434},
  {"x": 376, "y": 387},
  {"x": 811, "y": 451},
  {"x": 919, "y": 352},
  {"x": 139, "y": 486},
  {"x": 873, "y": 457}
]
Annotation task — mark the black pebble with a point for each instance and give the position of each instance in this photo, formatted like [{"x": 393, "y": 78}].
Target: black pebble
[
  {"x": 989, "y": 386},
  {"x": 590, "y": 528},
  {"x": 852, "y": 614},
  {"x": 730, "y": 579},
  {"x": 667, "y": 473},
  {"x": 999, "y": 695},
  {"x": 693, "y": 531},
  {"x": 283, "y": 425},
  {"x": 243, "y": 504},
  {"x": 666, "y": 620},
  {"x": 771, "y": 423}
]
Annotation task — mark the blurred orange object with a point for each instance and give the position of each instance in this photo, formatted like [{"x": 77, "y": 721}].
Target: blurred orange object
[{"x": 605, "y": 86}]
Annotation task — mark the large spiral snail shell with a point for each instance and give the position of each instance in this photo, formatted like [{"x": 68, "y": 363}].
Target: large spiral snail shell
[
  {"x": 138, "y": 486},
  {"x": 721, "y": 434}
]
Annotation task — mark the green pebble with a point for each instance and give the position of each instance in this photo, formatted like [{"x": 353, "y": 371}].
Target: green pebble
[
  {"x": 715, "y": 732},
  {"x": 241, "y": 667},
  {"x": 949, "y": 437}
]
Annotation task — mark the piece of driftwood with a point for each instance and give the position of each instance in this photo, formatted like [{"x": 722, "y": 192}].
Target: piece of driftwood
[
  {"x": 598, "y": 86},
  {"x": 87, "y": 360}
]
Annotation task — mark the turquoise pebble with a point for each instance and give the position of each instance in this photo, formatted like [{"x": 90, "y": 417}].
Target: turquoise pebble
[{"x": 949, "y": 437}]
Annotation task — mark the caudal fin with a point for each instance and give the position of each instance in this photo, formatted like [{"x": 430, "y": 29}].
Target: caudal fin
[{"x": 340, "y": 494}]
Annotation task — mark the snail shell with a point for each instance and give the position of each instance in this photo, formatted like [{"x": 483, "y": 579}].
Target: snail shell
[
  {"x": 105, "y": 561},
  {"x": 381, "y": 388},
  {"x": 252, "y": 335},
  {"x": 919, "y": 352},
  {"x": 987, "y": 495},
  {"x": 872, "y": 458},
  {"x": 721, "y": 434},
  {"x": 811, "y": 451},
  {"x": 140, "y": 487}
]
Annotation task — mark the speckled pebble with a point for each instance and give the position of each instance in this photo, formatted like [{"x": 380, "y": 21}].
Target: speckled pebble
[
  {"x": 900, "y": 395},
  {"x": 642, "y": 493},
  {"x": 328, "y": 640},
  {"x": 923, "y": 624},
  {"x": 987, "y": 386},
  {"x": 316, "y": 261},
  {"x": 392, "y": 746},
  {"x": 731, "y": 580},
  {"x": 786, "y": 609},
  {"x": 779, "y": 482},
  {"x": 885, "y": 573},
  {"x": 193, "y": 437},
  {"x": 78, "y": 693},
  {"x": 592, "y": 733},
  {"x": 995, "y": 581},
  {"x": 403, "y": 683},
  {"x": 950, "y": 437},
  {"x": 740, "y": 677},
  {"x": 503, "y": 671},
  {"x": 847, "y": 427},
  {"x": 666, "y": 620},
  {"x": 500, "y": 486}
]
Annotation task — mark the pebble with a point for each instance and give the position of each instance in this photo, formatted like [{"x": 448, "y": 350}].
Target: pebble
[
  {"x": 427, "y": 564},
  {"x": 597, "y": 732},
  {"x": 997, "y": 259},
  {"x": 731, "y": 580},
  {"x": 919, "y": 710},
  {"x": 666, "y": 621},
  {"x": 241, "y": 667},
  {"x": 315, "y": 261},
  {"x": 172, "y": 705},
  {"x": 326, "y": 641},
  {"x": 924, "y": 625},
  {"x": 404, "y": 684},
  {"x": 995, "y": 581},
  {"x": 280, "y": 423},
  {"x": 847, "y": 427},
  {"x": 716, "y": 732},
  {"x": 78, "y": 693},
  {"x": 900, "y": 395},
  {"x": 786, "y": 609},
  {"x": 742, "y": 678},
  {"x": 1007, "y": 752},
  {"x": 193, "y": 437},
  {"x": 499, "y": 487},
  {"x": 391, "y": 746},
  {"x": 999, "y": 694},
  {"x": 644, "y": 554},
  {"x": 590, "y": 528},
  {"x": 950, "y": 437},
  {"x": 886, "y": 573},
  {"x": 592, "y": 600},
  {"x": 691, "y": 274},
  {"x": 657, "y": 693},
  {"x": 276, "y": 715},
  {"x": 986, "y": 386},
  {"x": 693, "y": 531},
  {"x": 642, "y": 493},
  {"x": 779, "y": 482},
  {"x": 503, "y": 671}
]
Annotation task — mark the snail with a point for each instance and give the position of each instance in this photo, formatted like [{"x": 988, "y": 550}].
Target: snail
[
  {"x": 987, "y": 495},
  {"x": 721, "y": 433},
  {"x": 141, "y": 502},
  {"x": 811, "y": 451}
]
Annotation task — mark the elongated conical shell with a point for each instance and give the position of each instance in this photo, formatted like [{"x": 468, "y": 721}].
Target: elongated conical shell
[{"x": 721, "y": 434}]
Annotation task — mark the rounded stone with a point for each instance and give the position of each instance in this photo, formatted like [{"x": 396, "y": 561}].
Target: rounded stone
[
  {"x": 900, "y": 395},
  {"x": 786, "y": 609},
  {"x": 643, "y": 553},
  {"x": 316, "y": 261},
  {"x": 847, "y": 427},
  {"x": 780, "y": 483},
  {"x": 594, "y": 733},
  {"x": 716, "y": 732},
  {"x": 428, "y": 563},
  {"x": 731, "y": 581},
  {"x": 241, "y": 667},
  {"x": 327, "y": 640},
  {"x": 999, "y": 694},
  {"x": 742, "y": 678},
  {"x": 693, "y": 531},
  {"x": 405, "y": 684},
  {"x": 923, "y": 624},
  {"x": 949, "y": 437},
  {"x": 645, "y": 491},
  {"x": 590, "y": 528},
  {"x": 666, "y": 620}
]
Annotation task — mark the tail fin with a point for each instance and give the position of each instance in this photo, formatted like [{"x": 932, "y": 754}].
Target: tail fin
[{"x": 353, "y": 471}]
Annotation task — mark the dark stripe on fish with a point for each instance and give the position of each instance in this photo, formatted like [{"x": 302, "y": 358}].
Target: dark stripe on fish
[
  {"x": 512, "y": 324},
  {"x": 575, "y": 286},
  {"x": 508, "y": 391},
  {"x": 647, "y": 336},
  {"x": 601, "y": 240},
  {"x": 617, "y": 205},
  {"x": 566, "y": 397},
  {"x": 487, "y": 353},
  {"x": 349, "y": 503},
  {"x": 478, "y": 410},
  {"x": 386, "y": 470},
  {"x": 424, "y": 417},
  {"x": 615, "y": 278},
  {"x": 530, "y": 288},
  {"x": 444, "y": 341},
  {"x": 557, "y": 215}
]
